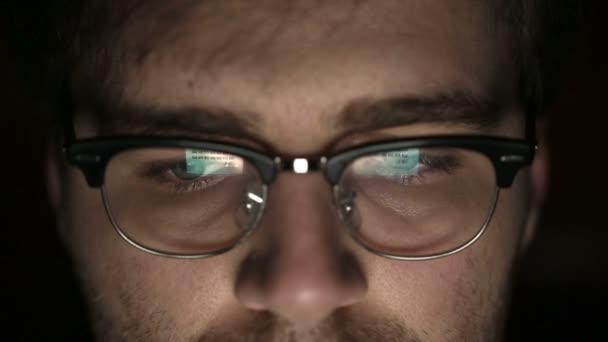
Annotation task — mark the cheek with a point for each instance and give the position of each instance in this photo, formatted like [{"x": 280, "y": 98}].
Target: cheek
[
  {"x": 440, "y": 295},
  {"x": 125, "y": 286},
  {"x": 432, "y": 296}
]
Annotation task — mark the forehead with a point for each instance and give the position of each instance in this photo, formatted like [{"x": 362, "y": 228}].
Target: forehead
[
  {"x": 226, "y": 26},
  {"x": 301, "y": 60}
]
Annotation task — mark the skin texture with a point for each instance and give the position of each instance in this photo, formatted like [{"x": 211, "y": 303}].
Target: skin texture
[{"x": 300, "y": 277}]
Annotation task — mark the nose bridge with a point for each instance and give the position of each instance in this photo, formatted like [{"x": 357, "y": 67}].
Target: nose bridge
[
  {"x": 300, "y": 206},
  {"x": 300, "y": 267},
  {"x": 302, "y": 229}
]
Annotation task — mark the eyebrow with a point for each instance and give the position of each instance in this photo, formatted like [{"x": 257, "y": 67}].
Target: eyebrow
[
  {"x": 362, "y": 115},
  {"x": 448, "y": 108},
  {"x": 195, "y": 122}
]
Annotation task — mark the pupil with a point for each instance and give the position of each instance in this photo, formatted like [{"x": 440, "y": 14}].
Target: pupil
[{"x": 185, "y": 171}]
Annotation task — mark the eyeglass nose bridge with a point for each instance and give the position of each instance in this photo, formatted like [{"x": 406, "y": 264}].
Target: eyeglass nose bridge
[
  {"x": 300, "y": 165},
  {"x": 343, "y": 200}
]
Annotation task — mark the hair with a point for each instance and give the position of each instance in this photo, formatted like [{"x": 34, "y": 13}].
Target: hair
[
  {"x": 543, "y": 38},
  {"x": 51, "y": 38}
]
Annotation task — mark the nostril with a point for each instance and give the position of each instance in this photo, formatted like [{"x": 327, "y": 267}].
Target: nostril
[
  {"x": 308, "y": 303},
  {"x": 303, "y": 291},
  {"x": 298, "y": 267}
]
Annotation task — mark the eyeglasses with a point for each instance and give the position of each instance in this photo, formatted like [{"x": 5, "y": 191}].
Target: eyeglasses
[{"x": 411, "y": 199}]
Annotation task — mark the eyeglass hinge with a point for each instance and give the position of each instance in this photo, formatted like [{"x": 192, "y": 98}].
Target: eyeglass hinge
[
  {"x": 87, "y": 158},
  {"x": 299, "y": 165},
  {"x": 513, "y": 158}
]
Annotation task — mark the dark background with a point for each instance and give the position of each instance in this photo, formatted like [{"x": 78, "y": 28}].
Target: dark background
[{"x": 561, "y": 291}]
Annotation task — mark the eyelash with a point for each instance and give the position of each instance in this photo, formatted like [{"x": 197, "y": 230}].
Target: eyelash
[
  {"x": 198, "y": 184},
  {"x": 161, "y": 172},
  {"x": 443, "y": 163},
  {"x": 430, "y": 165}
]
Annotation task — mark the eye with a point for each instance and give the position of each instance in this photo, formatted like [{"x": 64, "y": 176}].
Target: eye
[
  {"x": 185, "y": 171},
  {"x": 400, "y": 163},
  {"x": 196, "y": 164},
  {"x": 408, "y": 167},
  {"x": 388, "y": 164}
]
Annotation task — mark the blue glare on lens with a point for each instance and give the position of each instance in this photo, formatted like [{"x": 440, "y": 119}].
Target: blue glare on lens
[
  {"x": 205, "y": 163},
  {"x": 389, "y": 164},
  {"x": 405, "y": 161}
]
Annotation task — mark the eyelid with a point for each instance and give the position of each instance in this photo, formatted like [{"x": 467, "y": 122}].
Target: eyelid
[
  {"x": 426, "y": 161},
  {"x": 157, "y": 167},
  {"x": 158, "y": 170}
]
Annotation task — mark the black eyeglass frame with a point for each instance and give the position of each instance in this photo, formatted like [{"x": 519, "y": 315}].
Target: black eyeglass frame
[{"x": 507, "y": 155}]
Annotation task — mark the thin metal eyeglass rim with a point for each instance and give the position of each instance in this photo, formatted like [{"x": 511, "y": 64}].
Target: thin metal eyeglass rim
[
  {"x": 338, "y": 163},
  {"x": 248, "y": 231},
  {"x": 439, "y": 255}
]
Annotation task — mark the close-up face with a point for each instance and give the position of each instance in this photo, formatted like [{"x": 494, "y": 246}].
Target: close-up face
[{"x": 363, "y": 230}]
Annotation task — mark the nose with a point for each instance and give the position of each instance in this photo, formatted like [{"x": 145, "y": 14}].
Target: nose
[{"x": 299, "y": 266}]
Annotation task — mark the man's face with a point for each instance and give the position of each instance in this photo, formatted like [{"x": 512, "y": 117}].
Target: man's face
[{"x": 289, "y": 69}]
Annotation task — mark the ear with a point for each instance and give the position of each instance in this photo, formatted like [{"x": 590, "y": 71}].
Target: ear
[
  {"x": 538, "y": 185},
  {"x": 53, "y": 175},
  {"x": 55, "y": 172}
]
